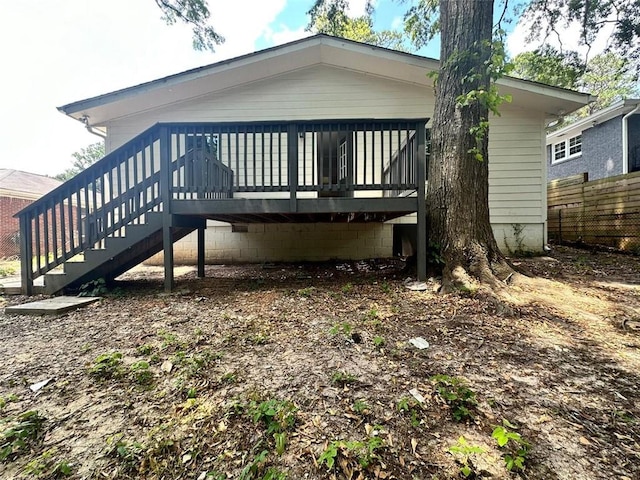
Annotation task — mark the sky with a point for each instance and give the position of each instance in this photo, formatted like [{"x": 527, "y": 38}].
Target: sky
[{"x": 56, "y": 52}]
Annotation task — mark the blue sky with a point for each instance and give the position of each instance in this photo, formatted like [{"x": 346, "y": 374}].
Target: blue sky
[{"x": 59, "y": 51}]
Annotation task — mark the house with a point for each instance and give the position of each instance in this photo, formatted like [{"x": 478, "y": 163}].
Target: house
[
  {"x": 17, "y": 190},
  {"x": 311, "y": 150},
  {"x": 604, "y": 144}
]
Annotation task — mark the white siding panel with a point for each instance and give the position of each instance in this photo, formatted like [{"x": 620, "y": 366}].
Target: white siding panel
[
  {"x": 516, "y": 168},
  {"x": 309, "y": 94}
]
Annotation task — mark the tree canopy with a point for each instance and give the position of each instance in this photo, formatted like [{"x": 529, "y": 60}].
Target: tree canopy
[
  {"x": 609, "y": 77},
  {"x": 194, "y": 13},
  {"x": 81, "y": 160},
  {"x": 619, "y": 19},
  {"x": 548, "y": 65},
  {"x": 330, "y": 17}
]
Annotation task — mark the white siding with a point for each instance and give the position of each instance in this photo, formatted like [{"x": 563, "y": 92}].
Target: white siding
[
  {"x": 517, "y": 189},
  {"x": 311, "y": 94}
]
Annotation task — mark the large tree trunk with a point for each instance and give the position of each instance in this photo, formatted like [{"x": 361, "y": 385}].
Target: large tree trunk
[{"x": 458, "y": 187}]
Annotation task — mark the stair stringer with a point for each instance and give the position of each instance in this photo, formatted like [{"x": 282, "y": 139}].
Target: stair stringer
[{"x": 140, "y": 242}]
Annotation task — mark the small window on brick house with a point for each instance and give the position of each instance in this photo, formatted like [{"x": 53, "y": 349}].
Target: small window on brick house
[{"x": 572, "y": 147}]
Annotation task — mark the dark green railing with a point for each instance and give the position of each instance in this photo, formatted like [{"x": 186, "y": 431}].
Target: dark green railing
[{"x": 185, "y": 161}]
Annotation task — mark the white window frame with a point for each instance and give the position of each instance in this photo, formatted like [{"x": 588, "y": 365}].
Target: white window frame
[{"x": 567, "y": 146}]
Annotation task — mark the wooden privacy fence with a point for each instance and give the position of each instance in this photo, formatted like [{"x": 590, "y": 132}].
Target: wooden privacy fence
[{"x": 601, "y": 212}]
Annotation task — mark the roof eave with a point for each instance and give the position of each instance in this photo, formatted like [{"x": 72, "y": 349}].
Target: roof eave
[{"x": 606, "y": 114}]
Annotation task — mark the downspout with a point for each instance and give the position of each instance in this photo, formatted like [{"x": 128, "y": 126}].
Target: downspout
[
  {"x": 625, "y": 139},
  {"x": 85, "y": 119}
]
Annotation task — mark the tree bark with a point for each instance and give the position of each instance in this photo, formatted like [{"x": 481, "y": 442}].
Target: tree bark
[{"x": 458, "y": 182}]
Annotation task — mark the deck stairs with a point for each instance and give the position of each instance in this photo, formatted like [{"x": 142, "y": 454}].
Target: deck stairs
[{"x": 119, "y": 254}]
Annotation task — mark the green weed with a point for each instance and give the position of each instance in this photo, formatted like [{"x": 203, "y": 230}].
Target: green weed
[
  {"x": 93, "y": 288},
  {"x": 373, "y": 313},
  {"x": 306, "y": 292},
  {"x": 194, "y": 364},
  {"x": 343, "y": 328},
  {"x": 229, "y": 377},
  {"x": 107, "y": 366},
  {"x": 364, "y": 452},
  {"x": 255, "y": 470},
  {"x": 130, "y": 454},
  {"x": 378, "y": 341},
  {"x": 23, "y": 431},
  {"x": 4, "y": 401},
  {"x": 343, "y": 378},
  {"x": 463, "y": 451},
  {"x": 145, "y": 349},
  {"x": 171, "y": 340},
  {"x": 347, "y": 288},
  {"x": 140, "y": 373},
  {"x": 276, "y": 415},
  {"x": 45, "y": 465},
  {"x": 516, "y": 448},
  {"x": 361, "y": 407},
  {"x": 409, "y": 405},
  {"x": 455, "y": 393}
]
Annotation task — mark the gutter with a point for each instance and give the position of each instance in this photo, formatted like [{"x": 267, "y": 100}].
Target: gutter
[
  {"x": 625, "y": 139},
  {"x": 85, "y": 119}
]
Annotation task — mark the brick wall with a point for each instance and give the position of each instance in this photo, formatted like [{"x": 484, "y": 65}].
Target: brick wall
[
  {"x": 9, "y": 226},
  {"x": 601, "y": 153}
]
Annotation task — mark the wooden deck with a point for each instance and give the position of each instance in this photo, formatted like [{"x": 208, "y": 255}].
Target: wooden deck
[{"x": 266, "y": 172}]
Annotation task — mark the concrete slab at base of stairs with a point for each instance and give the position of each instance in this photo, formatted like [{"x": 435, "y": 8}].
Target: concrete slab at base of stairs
[{"x": 50, "y": 306}]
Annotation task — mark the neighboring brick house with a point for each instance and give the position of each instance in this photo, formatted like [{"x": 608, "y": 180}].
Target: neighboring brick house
[
  {"x": 17, "y": 190},
  {"x": 604, "y": 144}
]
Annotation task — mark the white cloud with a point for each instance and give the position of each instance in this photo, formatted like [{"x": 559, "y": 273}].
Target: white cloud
[
  {"x": 397, "y": 23},
  {"x": 357, "y": 8},
  {"x": 59, "y": 51},
  {"x": 284, "y": 35}
]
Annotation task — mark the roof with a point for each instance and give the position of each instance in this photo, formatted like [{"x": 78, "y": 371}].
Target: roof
[
  {"x": 18, "y": 184},
  {"x": 299, "y": 54},
  {"x": 622, "y": 107}
]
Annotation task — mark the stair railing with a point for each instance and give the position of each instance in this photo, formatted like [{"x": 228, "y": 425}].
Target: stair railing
[{"x": 95, "y": 204}]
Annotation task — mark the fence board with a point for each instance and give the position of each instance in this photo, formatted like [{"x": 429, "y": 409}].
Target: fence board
[{"x": 601, "y": 212}]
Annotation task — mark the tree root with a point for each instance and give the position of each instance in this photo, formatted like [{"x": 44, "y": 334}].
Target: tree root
[{"x": 477, "y": 270}]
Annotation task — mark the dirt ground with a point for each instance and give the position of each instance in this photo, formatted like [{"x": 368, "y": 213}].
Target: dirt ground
[{"x": 307, "y": 372}]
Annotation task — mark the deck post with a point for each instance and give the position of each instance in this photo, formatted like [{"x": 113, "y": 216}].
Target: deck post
[
  {"x": 26, "y": 256},
  {"x": 421, "y": 171},
  {"x": 292, "y": 156},
  {"x": 201, "y": 251},
  {"x": 166, "y": 179}
]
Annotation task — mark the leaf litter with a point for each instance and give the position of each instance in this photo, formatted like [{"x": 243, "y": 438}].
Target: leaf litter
[{"x": 260, "y": 372}]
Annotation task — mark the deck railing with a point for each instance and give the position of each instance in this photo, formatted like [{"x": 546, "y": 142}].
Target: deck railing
[
  {"x": 186, "y": 161},
  {"x": 95, "y": 204},
  {"x": 216, "y": 160}
]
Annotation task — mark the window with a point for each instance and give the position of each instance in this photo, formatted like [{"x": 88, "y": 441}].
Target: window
[
  {"x": 575, "y": 145},
  {"x": 566, "y": 149},
  {"x": 559, "y": 151}
]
